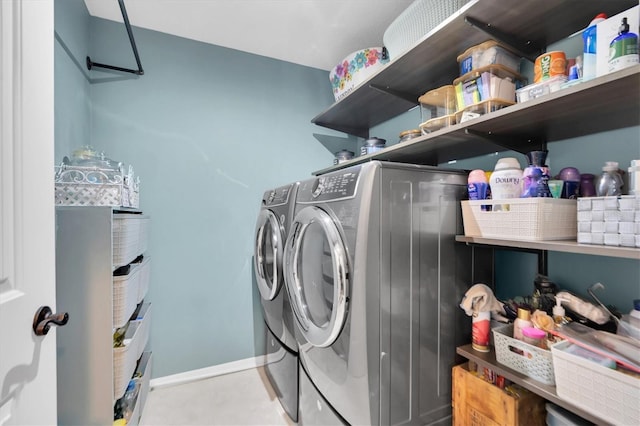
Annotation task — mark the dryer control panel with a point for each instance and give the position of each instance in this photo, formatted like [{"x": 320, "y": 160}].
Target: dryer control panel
[{"x": 331, "y": 187}]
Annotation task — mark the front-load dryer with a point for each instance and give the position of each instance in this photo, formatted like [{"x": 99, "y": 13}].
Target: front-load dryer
[
  {"x": 281, "y": 350},
  {"x": 375, "y": 278}
]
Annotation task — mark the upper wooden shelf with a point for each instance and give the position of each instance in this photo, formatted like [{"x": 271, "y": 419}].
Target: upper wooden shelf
[{"x": 529, "y": 26}]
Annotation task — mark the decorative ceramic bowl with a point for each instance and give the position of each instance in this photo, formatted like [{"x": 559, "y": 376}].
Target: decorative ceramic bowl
[{"x": 354, "y": 69}]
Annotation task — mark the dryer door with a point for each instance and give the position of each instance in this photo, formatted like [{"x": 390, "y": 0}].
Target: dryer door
[
  {"x": 317, "y": 275},
  {"x": 268, "y": 253}
]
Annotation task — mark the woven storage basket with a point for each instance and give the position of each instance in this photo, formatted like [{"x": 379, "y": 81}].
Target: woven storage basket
[
  {"x": 130, "y": 235},
  {"x": 523, "y": 357},
  {"x": 126, "y": 289},
  {"x": 126, "y": 357},
  {"x": 601, "y": 391},
  {"x": 529, "y": 219},
  {"x": 415, "y": 22},
  {"x": 145, "y": 276}
]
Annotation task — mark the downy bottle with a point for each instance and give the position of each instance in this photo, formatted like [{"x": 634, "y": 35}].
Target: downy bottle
[{"x": 506, "y": 179}]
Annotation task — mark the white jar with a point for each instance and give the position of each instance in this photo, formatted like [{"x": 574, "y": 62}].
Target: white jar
[{"x": 506, "y": 179}]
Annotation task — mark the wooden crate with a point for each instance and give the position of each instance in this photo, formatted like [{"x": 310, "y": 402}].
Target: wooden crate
[{"x": 479, "y": 403}]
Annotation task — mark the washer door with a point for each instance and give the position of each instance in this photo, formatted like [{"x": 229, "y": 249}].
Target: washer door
[
  {"x": 268, "y": 253},
  {"x": 317, "y": 276}
]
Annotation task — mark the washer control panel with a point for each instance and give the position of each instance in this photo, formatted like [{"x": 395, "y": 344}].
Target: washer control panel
[{"x": 330, "y": 187}]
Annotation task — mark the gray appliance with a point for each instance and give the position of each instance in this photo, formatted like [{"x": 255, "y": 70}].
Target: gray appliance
[
  {"x": 281, "y": 349},
  {"x": 375, "y": 279}
]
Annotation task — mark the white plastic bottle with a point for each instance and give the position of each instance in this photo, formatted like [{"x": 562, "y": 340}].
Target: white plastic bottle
[
  {"x": 506, "y": 179},
  {"x": 589, "y": 51},
  {"x": 523, "y": 320}
]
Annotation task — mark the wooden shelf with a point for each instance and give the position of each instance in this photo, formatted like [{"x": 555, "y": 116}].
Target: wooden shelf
[
  {"x": 604, "y": 103},
  {"x": 562, "y": 246},
  {"x": 547, "y": 392},
  {"x": 531, "y": 25}
]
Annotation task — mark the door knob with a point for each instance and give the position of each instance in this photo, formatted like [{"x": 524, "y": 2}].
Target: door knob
[{"x": 44, "y": 318}]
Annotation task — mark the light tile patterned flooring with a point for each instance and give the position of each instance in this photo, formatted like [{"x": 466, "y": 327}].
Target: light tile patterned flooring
[{"x": 242, "y": 398}]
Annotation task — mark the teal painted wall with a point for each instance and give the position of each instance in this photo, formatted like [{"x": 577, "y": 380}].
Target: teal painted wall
[
  {"x": 72, "y": 99},
  {"x": 208, "y": 130}
]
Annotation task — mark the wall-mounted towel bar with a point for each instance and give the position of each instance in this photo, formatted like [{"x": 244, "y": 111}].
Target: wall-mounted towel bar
[{"x": 139, "y": 71}]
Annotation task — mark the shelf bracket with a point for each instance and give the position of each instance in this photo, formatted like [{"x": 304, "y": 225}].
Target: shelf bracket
[
  {"x": 524, "y": 48},
  {"x": 507, "y": 142},
  {"x": 139, "y": 71},
  {"x": 398, "y": 94}
]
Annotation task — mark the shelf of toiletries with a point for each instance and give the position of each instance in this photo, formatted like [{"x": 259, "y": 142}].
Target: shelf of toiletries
[
  {"x": 548, "y": 392},
  {"x": 560, "y": 246},
  {"x": 602, "y": 104}
]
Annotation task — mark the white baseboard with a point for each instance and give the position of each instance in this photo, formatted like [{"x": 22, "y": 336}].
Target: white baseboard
[{"x": 208, "y": 372}]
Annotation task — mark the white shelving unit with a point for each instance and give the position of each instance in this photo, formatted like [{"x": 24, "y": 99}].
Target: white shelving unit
[{"x": 84, "y": 289}]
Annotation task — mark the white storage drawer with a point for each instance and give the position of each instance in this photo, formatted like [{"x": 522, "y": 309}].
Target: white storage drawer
[
  {"x": 126, "y": 289},
  {"x": 143, "y": 374},
  {"x": 125, "y": 358},
  {"x": 130, "y": 233}
]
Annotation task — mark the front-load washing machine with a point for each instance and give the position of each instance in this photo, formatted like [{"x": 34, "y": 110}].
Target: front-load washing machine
[
  {"x": 375, "y": 279},
  {"x": 281, "y": 350}
]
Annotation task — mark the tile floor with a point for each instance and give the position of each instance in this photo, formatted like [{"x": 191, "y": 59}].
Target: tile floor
[{"x": 242, "y": 398}]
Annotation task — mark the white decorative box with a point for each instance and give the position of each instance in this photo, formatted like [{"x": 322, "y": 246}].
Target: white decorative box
[{"x": 94, "y": 186}]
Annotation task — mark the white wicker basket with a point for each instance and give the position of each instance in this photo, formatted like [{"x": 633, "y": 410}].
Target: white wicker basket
[
  {"x": 126, "y": 289},
  {"x": 93, "y": 186},
  {"x": 415, "y": 22},
  {"x": 601, "y": 391},
  {"x": 130, "y": 233},
  {"x": 125, "y": 358},
  {"x": 523, "y": 357},
  {"x": 528, "y": 219},
  {"x": 145, "y": 276}
]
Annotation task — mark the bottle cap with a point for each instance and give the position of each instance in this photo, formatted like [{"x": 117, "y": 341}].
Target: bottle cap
[
  {"x": 524, "y": 314},
  {"x": 599, "y": 17},
  {"x": 624, "y": 27},
  {"x": 610, "y": 166},
  {"x": 534, "y": 333},
  {"x": 507, "y": 163},
  {"x": 477, "y": 176}
]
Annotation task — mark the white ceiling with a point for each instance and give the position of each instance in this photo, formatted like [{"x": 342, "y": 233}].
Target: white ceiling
[{"x": 315, "y": 33}]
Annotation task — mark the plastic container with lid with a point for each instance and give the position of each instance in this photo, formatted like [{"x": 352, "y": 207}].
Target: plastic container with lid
[
  {"x": 549, "y": 65},
  {"x": 437, "y": 109},
  {"x": 409, "y": 134},
  {"x": 372, "y": 145},
  {"x": 342, "y": 156},
  {"x": 534, "y": 336},
  {"x": 536, "y": 90},
  {"x": 506, "y": 179},
  {"x": 488, "y": 53}
]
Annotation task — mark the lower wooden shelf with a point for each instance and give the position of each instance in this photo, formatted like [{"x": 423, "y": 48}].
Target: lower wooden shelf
[{"x": 488, "y": 359}]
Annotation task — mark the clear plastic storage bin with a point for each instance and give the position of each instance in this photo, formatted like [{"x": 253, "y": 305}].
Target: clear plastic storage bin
[{"x": 437, "y": 109}]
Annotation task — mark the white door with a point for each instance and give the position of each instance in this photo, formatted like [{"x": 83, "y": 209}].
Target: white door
[{"x": 27, "y": 216}]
